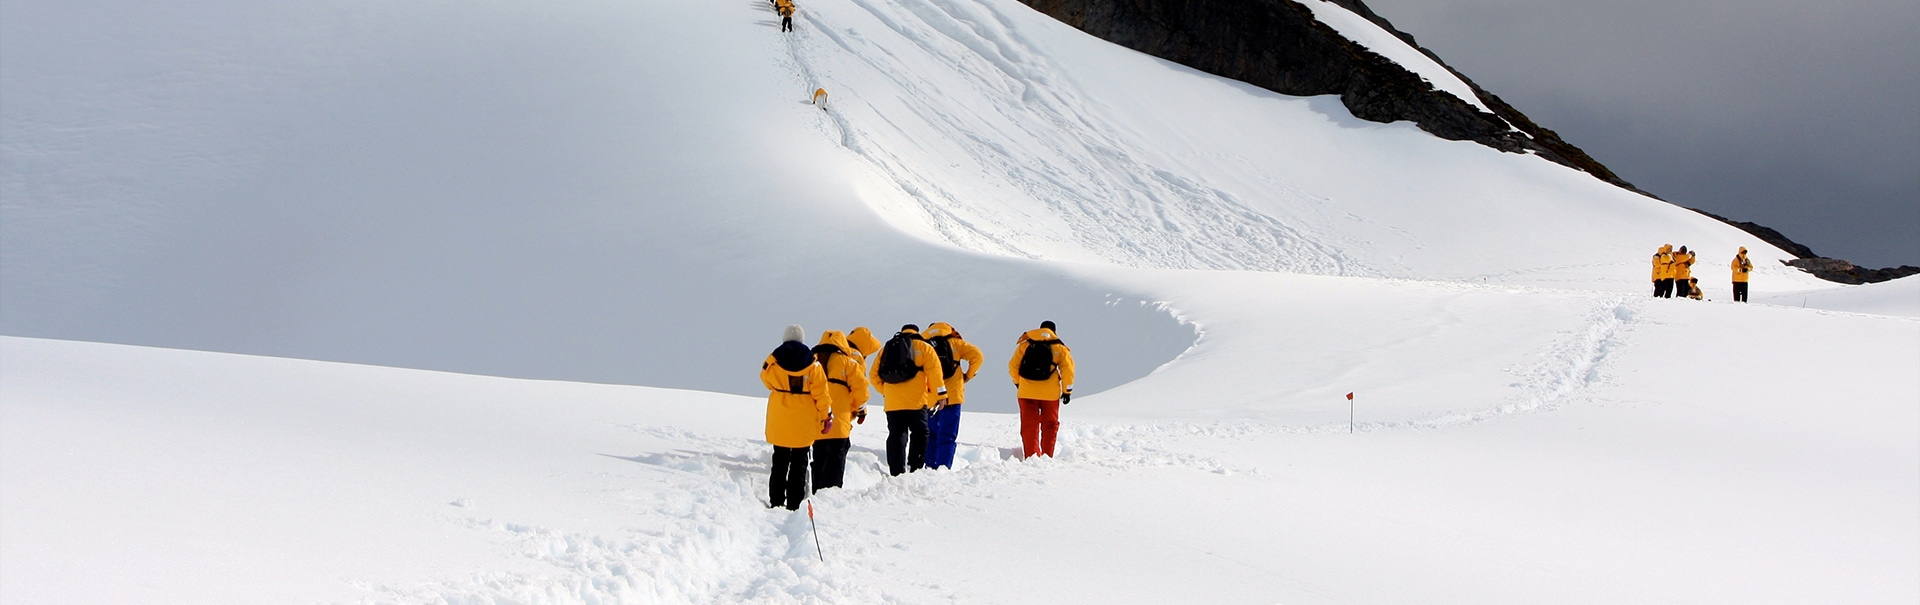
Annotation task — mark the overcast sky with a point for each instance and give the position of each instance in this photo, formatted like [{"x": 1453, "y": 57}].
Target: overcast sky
[{"x": 1801, "y": 116}]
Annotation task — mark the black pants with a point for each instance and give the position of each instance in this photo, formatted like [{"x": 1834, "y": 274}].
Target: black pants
[
  {"x": 906, "y": 440},
  {"x": 830, "y": 462},
  {"x": 1740, "y": 291},
  {"x": 788, "y": 485},
  {"x": 786, "y": 24},
  {"x": 1663, "y": 288}
]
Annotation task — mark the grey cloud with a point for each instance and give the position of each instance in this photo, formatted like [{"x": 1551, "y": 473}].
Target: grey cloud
[{"x": 1802, "y": 116}]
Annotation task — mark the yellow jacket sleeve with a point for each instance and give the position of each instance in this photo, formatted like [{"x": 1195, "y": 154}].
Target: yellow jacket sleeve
[{"x": 965, "y": 351}]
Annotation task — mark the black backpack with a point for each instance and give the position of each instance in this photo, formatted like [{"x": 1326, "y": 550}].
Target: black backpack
[
  {"x": 824, "y": 353},
  {"x": 945, "y": 349},
  {"x": 896, "y": 359},
  {"x": 1037, "y": 362}
]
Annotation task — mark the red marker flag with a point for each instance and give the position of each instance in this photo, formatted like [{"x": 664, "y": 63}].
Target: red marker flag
[{"x": 1349, "y": 396}]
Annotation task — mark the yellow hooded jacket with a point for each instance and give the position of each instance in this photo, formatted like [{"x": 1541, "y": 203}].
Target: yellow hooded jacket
[
  {"x": 863, "y": 341},
  {"x": 1682, "y": 266},
  {"x": 797, "y": 403},
  {"x": 918, "y": 392},
  {"x": 1741, "y": 267},
  {"x": 1051, "y": 388},
  {"x": 1663, "y": 263},
  {"x": 963, "y": 351},
  {"x": 847, "y": 384}
]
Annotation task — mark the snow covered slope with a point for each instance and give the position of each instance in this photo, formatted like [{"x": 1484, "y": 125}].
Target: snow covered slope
[
  {"x": 1650, "y": 460},
  {"x": 640, "y": 192}
]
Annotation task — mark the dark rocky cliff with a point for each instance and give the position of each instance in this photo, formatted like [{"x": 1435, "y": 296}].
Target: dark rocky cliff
[
  {"x": 1279, "y": 46},
  {"x": 1830, "y": 269}
]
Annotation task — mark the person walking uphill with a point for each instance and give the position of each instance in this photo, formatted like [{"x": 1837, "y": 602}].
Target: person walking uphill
[
  {"x": 846, "y": 373},
  {"x": 1742, "y": 268},
  {"x": 909, "y": 378},
  {"x": 944, "y": 425},
  {"x": 1042, "y": 370},
  {"x": 785, "y": 8},
  {"x": 798, "y": 413}
]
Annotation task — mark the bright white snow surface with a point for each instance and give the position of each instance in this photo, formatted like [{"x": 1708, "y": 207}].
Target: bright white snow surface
[{"x": 641, "y": 192}]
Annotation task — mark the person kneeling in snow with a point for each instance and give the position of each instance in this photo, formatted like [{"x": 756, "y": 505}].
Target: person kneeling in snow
[
  {"x": 798, "y": 412},
  {"x": 1042, "y": 370}
]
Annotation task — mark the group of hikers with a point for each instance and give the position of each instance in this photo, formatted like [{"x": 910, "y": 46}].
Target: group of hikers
[
  {"x": 1673, "y": 274},
  {"x": 817, "y": 394}
]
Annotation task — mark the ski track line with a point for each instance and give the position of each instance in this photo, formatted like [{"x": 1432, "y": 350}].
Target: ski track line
[{"x": 1099, "y": 197}]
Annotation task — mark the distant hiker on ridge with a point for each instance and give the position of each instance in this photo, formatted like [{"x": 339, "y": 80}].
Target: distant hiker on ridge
[
  {"x": 846, "y": 372},
  {"x": 1042, "y": 370},
  {"x": 785, "y": 8},
  {"x": 908, "y": 376},
  {"x": 1663, "y": 272},
  {"x": 1682, "y": 272},
  {"x": 945, "y": 423},
  {"x": 798, "y": 413},
  {"x": 1742, "y": 268}
]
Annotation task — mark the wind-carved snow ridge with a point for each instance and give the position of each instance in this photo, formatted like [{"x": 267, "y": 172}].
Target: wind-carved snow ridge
[{"x": 997, "y": 150}]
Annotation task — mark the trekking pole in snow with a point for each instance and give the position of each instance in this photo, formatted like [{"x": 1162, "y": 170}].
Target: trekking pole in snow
[
  {"x": 1349, "y": 413},
  {"x": 816, "y": 532}
]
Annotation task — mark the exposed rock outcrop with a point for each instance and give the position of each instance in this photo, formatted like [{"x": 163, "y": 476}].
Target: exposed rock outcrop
[
  {"x": 1279, "y": 46},
  {"x": 1830, "y": 269}
]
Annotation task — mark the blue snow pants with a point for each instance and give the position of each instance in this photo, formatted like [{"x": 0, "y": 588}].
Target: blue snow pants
[{"x": 944, "y": 428}]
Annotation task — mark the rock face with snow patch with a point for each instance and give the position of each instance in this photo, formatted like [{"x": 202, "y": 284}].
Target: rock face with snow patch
[{"x": 1279, "y": 45}]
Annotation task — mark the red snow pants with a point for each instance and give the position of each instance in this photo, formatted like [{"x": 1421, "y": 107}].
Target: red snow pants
[{"x": 1039, "y": 423}]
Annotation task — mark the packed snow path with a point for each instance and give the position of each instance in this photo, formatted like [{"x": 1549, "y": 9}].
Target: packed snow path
[{"x": 1640, "y": 453}]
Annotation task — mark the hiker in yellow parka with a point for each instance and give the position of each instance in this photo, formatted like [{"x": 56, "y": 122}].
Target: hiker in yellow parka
[
  {"x": 1663, "y": 272},
  {"x": 944, "y": 425},
  {"x": 1682, "y": 272},
  {"x": 908, "y": 375},
  {"x": 785, "y": 8},
  {"x": 1042, "y": 370},
  {"x": 846, "y": 372},
  {"x": 1742, "y": 268},
  {"x": 798, "y": 412}
]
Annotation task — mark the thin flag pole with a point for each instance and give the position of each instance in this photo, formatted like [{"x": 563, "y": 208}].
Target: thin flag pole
[
  {"x": 1349, "y": 413},
  {"x": 816, "y": 532}
]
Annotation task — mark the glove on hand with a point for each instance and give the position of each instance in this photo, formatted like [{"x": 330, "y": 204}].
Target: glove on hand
[
  {"x": 826, "y": 425},
  {"x": 1066, "y": 397},
  {"x": 859, "y": 416}
]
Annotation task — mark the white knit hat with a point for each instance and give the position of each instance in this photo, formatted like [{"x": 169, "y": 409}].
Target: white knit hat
[{"x": 794, "y": 333}]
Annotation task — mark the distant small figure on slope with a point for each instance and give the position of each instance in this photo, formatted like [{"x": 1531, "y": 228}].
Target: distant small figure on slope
[
  {"x": 785, "y": 8},
  {"x": 1042, "y": 371},
  {"x": 1742, "y": 268},
  {"x": 798, "y": 413},
  {"x": 944, "y": 424},
  {"x": 820, "y": 98},
  {"x": 909, "y": 378}
]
